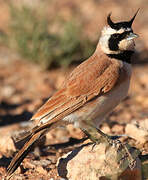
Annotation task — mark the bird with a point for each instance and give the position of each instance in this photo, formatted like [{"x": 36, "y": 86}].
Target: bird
[{"x": 90, "y": 92}]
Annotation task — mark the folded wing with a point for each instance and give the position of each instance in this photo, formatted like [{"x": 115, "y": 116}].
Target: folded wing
[{"x": 78, "y": 89}]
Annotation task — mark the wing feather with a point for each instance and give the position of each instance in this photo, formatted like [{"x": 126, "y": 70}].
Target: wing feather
[{"x": 79, "y": 88}]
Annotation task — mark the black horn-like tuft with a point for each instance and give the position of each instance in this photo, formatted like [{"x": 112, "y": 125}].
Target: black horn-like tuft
[
  {"x": 131, "y": 21},
  {"x": 110, "y": 22},
  {"x": 119, "y": 25}
]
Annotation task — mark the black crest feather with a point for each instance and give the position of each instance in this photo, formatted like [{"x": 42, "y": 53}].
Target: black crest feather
[{"x": 119, "y": 25}]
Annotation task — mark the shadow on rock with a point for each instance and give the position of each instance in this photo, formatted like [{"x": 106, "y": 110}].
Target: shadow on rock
[
  {"x": 62, "y": 165},
  {"x": 4, "y": 161}
]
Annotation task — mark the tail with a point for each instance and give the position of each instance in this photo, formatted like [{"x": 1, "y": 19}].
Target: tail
[{"x": 16, "y": 161}]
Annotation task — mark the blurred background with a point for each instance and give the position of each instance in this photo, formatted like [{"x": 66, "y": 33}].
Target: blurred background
[{"x": 42, "y": 41}]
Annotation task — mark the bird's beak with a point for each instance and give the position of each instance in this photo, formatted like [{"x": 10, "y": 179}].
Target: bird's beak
[{"x": 132, "y": 36}]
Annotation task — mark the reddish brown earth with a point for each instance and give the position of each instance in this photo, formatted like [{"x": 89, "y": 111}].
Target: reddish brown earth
[{"x": 24, "y": 87}]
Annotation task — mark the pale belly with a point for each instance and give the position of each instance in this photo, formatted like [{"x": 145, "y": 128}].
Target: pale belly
[{"x": 97, "y": 109}]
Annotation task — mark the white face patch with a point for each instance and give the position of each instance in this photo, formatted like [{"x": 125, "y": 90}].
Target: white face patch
[
  {"x": 106, "y": 34},
  {"x": 126, "y": 45}
]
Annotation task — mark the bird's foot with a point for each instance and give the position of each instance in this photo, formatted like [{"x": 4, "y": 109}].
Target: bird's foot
[{"x": 123, "y": 151}]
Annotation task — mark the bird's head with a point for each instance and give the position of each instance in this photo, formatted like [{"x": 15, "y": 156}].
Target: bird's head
[{"x": 118, "y": 37}]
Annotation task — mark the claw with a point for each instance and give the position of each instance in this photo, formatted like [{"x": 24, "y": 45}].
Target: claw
[
  {"x": 132, "y": 164},
  {"x": 93, "y": 146},
  {"x": 123, "y": 152}
]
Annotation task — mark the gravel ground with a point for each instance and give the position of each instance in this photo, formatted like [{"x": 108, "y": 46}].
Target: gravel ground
[{"x": 24, "y": 87}]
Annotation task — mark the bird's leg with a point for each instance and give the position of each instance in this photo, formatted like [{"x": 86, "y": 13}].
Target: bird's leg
[
  {"x": 123, "y": 150},
  {"x": 94, "y": 138},
  {"x": 97, "y": 136},
  {"x": 92, "y": 134}
]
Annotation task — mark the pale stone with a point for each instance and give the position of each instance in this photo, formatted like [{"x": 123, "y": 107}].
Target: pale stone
[
  {"x": 41, "y": 170},
  {"x": 6, "y": 144},
  {"x": 138, "y": 131},
  {"x": 88, "y": 163}
]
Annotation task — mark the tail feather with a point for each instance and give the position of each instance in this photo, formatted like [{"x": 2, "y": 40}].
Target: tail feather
[
  {"x": 23, "y": 136},
  {"x": 16, "y": 161}
]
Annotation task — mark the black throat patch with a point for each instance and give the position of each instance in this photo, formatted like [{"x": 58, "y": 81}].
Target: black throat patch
[
  {"x": 124, "y": 56},
  {"x": 116, "y": 38}
]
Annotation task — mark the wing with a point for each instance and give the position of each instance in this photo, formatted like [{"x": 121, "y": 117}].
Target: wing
[{"x": 87, "y": 81}]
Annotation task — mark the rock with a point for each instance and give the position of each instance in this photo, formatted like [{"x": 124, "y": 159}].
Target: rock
[
  {"x": 75, "y": 132},
  {"x": 134, "y": 174},
  {"x": 6, "y": 144},
  {"x": 42, "y": 162},
  {"x": 144, "y": 124},
  {"x": 41, "y": 170},
  {"x": 7, "y": 91},
  {"x": 29, "y": 165},
  {"x": 118, "y": 129},
  {"x": 105, "y": 128},
  {"x": 100, "y": 162},
  {"x": 145, "y": 169},
  {"x": 138, "y": 131}
]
